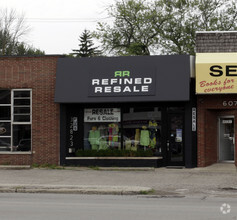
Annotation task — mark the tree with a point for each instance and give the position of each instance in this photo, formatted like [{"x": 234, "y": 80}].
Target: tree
[
  {"x": 188, "y": 16},
  {"x": 143, "y": 27},
  {"x": 86, "y": 46},
  {"x": 132, "y": 32},
  {"x": 12, "y": 30},
  {"x": 23, "y": 49}
]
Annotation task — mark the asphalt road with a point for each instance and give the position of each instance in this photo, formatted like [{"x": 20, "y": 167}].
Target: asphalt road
[{"x": 18, "y": 206}]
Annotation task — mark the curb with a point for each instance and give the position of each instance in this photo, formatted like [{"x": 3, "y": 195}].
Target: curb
[
  {"x": 22, "y": 167},
  {"x": 113, "y": 190},
  {"x": 15, "y": 167}
]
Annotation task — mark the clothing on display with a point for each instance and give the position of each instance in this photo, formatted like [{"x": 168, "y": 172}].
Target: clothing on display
[
  {"x": 94, "y": 138},
  {"x": 113, "y": 134},
  {"x": 128, "y": 144},
  {"x": 104, "y": 136},
  {"x": 145, "y": 137},
  {"x": 153, "y": 133},
  {"x": 137, "y": 138},
  {"x": 103, "y": 130},
  {"x": 107, "y": 136},
  {"x": 103, "y": 144}
]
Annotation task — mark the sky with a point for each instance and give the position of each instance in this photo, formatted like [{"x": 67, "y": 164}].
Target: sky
[{"x": 55, "y": 25}]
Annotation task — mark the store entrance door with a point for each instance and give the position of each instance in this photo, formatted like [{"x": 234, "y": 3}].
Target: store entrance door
[
  {"x": 226, "y": 138},
  {"x": 175, "y": 139}
]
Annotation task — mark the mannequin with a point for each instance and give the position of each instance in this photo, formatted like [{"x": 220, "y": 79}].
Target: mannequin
[
  {"x": 94, "y": 137},
  {"x": 128, "y": 144},
  {"x": 137, "y": 138},
  {"x": 153, "y": 133},
  {"x": 145, "y": 137}
]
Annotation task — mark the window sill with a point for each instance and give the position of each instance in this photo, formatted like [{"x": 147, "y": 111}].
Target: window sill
[
  {"x": 114, "y": 158},
  {"x": 14, "y": 152}
]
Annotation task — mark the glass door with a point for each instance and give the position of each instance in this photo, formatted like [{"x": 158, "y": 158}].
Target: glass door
[
  {"x": 226, "y": 138},
  {"x": 175, "y": 139}
]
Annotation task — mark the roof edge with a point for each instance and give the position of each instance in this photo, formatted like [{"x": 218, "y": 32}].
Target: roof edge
[
  {"x": 214, "y": 32},
  {"x": 22, "y": 56}
]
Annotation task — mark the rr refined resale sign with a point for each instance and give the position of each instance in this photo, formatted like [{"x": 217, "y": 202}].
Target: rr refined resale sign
[
  {"x": 216, "y": 73},
  {"x": 122, "y": 83}
]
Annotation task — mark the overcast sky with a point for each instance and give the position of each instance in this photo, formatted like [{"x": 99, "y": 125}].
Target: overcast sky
[{"x": 56, "y": 24}]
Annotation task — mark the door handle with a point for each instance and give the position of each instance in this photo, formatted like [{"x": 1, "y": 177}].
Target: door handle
[
  {"x": 168, "y": 146},
  {"x": 232, "y": 139}
]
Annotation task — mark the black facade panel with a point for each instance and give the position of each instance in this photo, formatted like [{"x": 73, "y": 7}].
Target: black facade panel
[
  {"x": 190, "y": 129},
  {"x": 154, "y": 78}
]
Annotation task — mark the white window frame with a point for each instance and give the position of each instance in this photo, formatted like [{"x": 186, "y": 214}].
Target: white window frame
[{"x": 12, "y": 122}]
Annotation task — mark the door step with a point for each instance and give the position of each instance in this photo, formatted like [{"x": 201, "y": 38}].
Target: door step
[{"x": 174, "y": 167}]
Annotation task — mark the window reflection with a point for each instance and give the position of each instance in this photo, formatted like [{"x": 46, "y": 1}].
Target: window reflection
[
  {"x": 102, "y": 136},
  {"x": 22, "y": 137},
  {"x": 142, "y": 130}
]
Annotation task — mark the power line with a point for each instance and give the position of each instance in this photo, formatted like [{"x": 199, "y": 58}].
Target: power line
[{"x": 80, "y": 20}]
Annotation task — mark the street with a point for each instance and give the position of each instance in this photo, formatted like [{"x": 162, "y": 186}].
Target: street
[{"x": 102, "y": 207}]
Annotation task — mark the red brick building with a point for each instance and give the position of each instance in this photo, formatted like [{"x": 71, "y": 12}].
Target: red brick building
[
  {"x": 216, "y": 89},
  {"x": 29, "y": 117},
  {"x": 47, "y": 121}
]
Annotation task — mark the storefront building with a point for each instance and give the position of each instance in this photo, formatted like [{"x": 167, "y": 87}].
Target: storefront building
[
  {"x": 120, "y": 111},
  {"x": 216, "y": 89},
  {"x": 29, "y": 118},
  {"x": 127, "y": 111}
]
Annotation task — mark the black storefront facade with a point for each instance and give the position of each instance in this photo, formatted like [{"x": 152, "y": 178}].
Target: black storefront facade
[{"x": 127, "y": 111}]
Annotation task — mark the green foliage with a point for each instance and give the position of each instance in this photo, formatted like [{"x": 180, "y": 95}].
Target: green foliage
[
  {"x": 188, "y": 16},
  {"x": 143, "y": 27},
  {"x": 86, "y": 46},
  {"x": 114, "y": 153},
  {"x": 23, "y": 49},
  {"x": 132, "y": 32},
  {"x": 12, "y": 28},
  {"x": 148, "y": 192}
]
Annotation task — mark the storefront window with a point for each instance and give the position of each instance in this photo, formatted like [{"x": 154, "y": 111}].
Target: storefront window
[
  {"x": 102, "y": 129},
  {"x": 22, "y": 137},
  {"x": 142, "y": 130},
  {"x": 138, "y": 131},
  {"x": 15, "y": 120}
]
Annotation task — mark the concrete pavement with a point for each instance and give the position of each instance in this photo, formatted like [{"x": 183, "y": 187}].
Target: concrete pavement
[{"x": 215, "y": 180}]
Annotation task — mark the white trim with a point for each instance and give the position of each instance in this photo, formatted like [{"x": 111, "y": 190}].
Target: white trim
[
  {"x": 5, "y": 104},
  {"x": 15, "y": 152},
  {"x": 214, "y": 32},
  {"x": 114, "y": 158}
]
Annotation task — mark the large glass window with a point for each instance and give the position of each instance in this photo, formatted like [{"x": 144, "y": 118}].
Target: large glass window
[
  {"x": 15, "y": 120},
  {"x": 133, "y": 130},
  {"x": 142, "y": 129},
  {"x": 102, "y": 128}
]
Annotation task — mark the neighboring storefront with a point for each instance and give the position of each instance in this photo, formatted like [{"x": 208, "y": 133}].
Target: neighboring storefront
[
  {"x": 29, "y": 118},
  {"x": 216, "y": 89},
  {"x": 127, "y": 111}
]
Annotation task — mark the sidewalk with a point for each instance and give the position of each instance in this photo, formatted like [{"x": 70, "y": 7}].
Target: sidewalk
[{"x": 218, "y": 179}]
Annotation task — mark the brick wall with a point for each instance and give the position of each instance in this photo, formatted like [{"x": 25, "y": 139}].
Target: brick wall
[
  {"x": 210, "y": 107},
  {"x": 213, "y": 42},
  {"x": 38, "y": 74}
]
